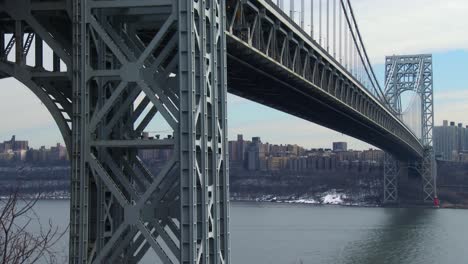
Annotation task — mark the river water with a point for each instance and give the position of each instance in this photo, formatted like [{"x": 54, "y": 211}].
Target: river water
[{"x": 271, "y": 233}]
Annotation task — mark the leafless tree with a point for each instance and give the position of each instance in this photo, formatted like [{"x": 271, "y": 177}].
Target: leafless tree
[{"x": 18, "y": 244}]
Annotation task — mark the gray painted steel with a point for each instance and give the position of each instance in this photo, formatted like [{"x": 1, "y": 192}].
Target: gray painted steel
[
  {"x": 112, "y": 60},
  {"x": 412, "y": 73},
  {"x": 274, "y": 62},
  {"x": 118, "y": 64},
  {"x": 391, "y": 175}
]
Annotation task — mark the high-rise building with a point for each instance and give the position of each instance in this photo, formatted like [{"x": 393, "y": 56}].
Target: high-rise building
[
  {"x": 340, "y": 146},
  {"x": 58, "y": 152},
  {"x": 233, "y": 148},
  {"x": 256, "y": 155},
  {"x": 449, "y": 140},
  {"x": 240, "y": 148},
  {"x": 13, "y": 145}
]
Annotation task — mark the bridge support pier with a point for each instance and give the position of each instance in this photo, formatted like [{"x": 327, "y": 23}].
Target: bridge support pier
[
  {"x": 391, "y": 175},
  {"x": 428, "y": 171},
  {"x": 139, "y": 65}
]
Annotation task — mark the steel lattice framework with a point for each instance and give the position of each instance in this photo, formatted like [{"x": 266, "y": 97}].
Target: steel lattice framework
[
  {"x": 391, "y": 172},
  {"x": 118, "y": 59},
  {"x": 172, "y": 53},
  {"x": 118, "y": 66},
  {"x": 412, "y": 73}
]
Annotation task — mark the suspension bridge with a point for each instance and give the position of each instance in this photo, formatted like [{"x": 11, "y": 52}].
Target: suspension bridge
[{"x": 107, "y": 69}]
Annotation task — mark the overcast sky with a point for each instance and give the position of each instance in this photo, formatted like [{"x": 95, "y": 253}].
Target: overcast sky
[{"x": 388, "y": 27}]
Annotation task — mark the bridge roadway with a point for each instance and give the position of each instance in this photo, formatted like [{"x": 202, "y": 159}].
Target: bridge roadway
[{"x": 272, "y": 61}]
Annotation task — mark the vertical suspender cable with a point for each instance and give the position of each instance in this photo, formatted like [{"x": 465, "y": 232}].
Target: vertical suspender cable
[
  {"x": 328, "y": 26},
  {"x": 353, "y": 52},
  {"x": 340, "y": 32},
  {"x": 350, "y": 39},
  {"x": 345, "y": 43},
  {"x": 320, "y": 22},
  {"x": 334, "y": 29},
  {"x": 355, "y": 58},
  {"x": 302, "y": 14},
  {"x": 350, "y": 47},
  {"x": 373, "y": 80},
  {"x": 291, "y": 9},
  {"x": 312, "y": 19}
]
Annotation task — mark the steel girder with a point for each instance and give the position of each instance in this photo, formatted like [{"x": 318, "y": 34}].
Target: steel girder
[
  {"x": 258, "y": 28},
  {"x": 170, "y": 55},
  {"x": 414, "y": 73}
]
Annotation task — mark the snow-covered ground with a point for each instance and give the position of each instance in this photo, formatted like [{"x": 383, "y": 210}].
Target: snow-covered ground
[
  {"x": 330, "y": 197},
  {"x": 333, "y": 197}
]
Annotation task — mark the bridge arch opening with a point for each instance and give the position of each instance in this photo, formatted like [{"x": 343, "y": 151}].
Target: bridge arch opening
[
  {"x": 40, "y": 166},
  {"x": 411, "y": 111},
  {"x": 25, "y": 115}
]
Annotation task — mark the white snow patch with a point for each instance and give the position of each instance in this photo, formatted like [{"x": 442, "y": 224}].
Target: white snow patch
[
  {"x": 305, "y": 201},
  {"x": 333, "y": 198}
]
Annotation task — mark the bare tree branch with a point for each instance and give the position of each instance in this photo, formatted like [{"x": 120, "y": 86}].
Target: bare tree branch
[{"x": 18, "y": 244}]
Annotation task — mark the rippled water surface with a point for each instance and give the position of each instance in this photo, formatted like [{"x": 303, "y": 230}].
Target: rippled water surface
[{"x": 268, "y": 233}]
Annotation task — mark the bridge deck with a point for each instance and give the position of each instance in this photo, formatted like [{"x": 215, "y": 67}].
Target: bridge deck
[{"x": 273, "y": 62}]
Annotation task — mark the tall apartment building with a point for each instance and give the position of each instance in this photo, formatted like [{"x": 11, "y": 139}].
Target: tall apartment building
[
  {"x": 450, "y": 140},
  {"x": 256, "y": 155},
  {"x": 13, "y": 149},
  {"x": 13, "y": 145},
  {"x": 340, "y": 146},
  {"x": 238, "y": 149}
]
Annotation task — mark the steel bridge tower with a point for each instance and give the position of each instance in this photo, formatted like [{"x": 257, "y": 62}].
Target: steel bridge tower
[
  {"x": 168, "y": 57},
  {"x": 118, "y": 68},
  {"x": 411, "y": 73}
]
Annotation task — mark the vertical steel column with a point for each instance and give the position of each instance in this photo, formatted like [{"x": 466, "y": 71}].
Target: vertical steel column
[
  {"x": 391, "y": 174},
  {"x": 19, "y": 58},
  {"x": 78, "y": 250},
  {"x": 2, "y": 45},
  {"x": 429, "y": 170},
  {"x": 203, "y": 138},
  {"x": 428, "y": 174},
  {"x": 38, "y": 52}
]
